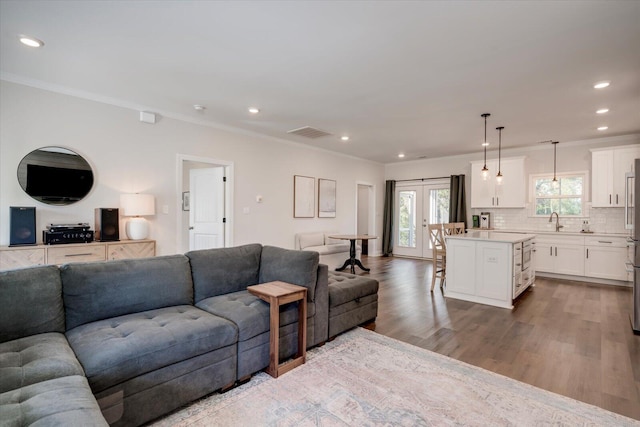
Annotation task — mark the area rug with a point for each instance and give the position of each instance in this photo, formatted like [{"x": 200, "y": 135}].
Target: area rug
[{"x": 365, "y": 379}]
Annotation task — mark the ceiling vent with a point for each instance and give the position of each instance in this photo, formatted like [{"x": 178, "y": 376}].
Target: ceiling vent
[{"x": 309, "y": 132}]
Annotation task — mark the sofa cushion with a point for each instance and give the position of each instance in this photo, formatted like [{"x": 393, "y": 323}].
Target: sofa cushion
[
  {"x": 102, "y": 290},
  {"x": 310, "y": 239},
  {"x": 115, "y": 350},
  {"x": 36, "y": 302},
  {"x": 221, "y": 271},
  {"x": 344, "y": 287},
  {"x": 295, "y": 267},
  {"x": 330, "y": 249},
  {"x": 249, "y": 312},
  {"x": 37, "y": 358},
  {"x": 329, "y": 241},
  {"x": 66, "y": 401}
]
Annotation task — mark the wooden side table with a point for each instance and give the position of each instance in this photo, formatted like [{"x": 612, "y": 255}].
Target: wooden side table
[{"x": 277, "y": 294}]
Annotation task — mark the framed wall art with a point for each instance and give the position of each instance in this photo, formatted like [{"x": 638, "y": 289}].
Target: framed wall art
[
  {"x": 186, "y": 200},
  {"x": 303, "y": 196},
  {"x": 326, "y": 198}
]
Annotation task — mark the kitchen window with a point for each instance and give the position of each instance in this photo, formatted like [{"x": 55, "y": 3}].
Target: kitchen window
[{"x": 566, "y": 197}]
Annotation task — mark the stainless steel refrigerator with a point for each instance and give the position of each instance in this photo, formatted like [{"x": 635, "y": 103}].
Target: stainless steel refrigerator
[{"x": 632, "y": 222}]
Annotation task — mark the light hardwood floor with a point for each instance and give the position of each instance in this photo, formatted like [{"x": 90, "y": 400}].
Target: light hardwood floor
[{"x": 571, "y": 338}]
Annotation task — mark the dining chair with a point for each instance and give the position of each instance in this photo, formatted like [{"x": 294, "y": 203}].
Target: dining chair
[
  {"x": 439, "y": 250},
  {"x": 452, "y": 228}
]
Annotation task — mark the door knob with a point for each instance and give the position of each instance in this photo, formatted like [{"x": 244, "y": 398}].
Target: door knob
[{"x": 190, "y": 228}]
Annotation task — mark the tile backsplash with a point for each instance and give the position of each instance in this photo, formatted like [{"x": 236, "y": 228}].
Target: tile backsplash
[{"x": 601, "y": 220}]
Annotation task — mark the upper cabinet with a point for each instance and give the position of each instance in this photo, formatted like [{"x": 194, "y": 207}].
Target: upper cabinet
[
  {"x": 608, "y": 167},
  {"x": 489, "y": 194}
]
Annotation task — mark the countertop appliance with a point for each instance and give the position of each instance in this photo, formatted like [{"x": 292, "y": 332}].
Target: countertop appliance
[
  {"x": 485, "y": 219},
  {"x": 632, "y": 219}
]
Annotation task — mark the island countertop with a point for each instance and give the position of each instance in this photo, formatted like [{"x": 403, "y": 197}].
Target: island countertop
[{"x": 493, "y": 236}]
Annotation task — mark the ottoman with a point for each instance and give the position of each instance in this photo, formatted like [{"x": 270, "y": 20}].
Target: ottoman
[{"x": 353, "y": 300}]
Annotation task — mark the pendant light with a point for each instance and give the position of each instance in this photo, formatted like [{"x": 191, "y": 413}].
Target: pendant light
[
  {"x": 499, "y": 175},
  {"x": 485, "y": 170},
  {"x": 555, "y": 182}
]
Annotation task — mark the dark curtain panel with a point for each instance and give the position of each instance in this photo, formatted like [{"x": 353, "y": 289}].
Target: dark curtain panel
[
  {"x": 387, "y": 225},
  {"x": 457, "y": 204}
]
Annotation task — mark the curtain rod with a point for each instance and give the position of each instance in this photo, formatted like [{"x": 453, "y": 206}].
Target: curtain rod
[{"x": 423, "y": 179}]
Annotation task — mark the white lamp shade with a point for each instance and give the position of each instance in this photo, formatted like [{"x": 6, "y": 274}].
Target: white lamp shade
[{"x": 137, "y": 204}]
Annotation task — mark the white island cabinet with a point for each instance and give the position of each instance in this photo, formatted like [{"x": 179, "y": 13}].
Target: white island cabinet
[{"x": 488, "y": 267}]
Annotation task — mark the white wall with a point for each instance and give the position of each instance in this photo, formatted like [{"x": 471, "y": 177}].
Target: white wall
[
  {"x": 571, "y": 157},
  {"x": 129, "y": 156}
]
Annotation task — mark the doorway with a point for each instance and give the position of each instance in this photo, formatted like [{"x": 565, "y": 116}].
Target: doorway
[
  {"x": 205, "y": 195},
  {"x": 417, "y": 206},
  {"x": 365, "y": 214}
]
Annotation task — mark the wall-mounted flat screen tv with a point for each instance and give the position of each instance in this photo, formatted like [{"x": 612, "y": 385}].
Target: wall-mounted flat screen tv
[{"x": 58, "y": 184}]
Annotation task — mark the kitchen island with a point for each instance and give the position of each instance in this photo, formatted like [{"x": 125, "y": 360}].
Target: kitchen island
[{"x": 489, "y": 267}]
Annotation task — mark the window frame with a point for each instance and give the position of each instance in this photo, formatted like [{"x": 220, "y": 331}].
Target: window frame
[{"x": 584, "y": 196}]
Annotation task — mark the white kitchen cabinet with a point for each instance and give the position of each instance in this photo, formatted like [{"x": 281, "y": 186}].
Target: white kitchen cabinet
[
  {"x": 494, "y": 273},
  {"x": 509, "y": 194},
  {"x": 605, "y": 258},
  {"x": 486, "y": 268},
  {"x": 608, "y": 168},
  {"x": 560, "y": 254},
  {"x": 460, "y": 278}
]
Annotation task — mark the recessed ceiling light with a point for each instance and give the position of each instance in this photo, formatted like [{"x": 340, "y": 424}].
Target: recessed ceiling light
[
  {"x": 31, "y": 41},
  {"x": 199, "y": 107},
  {"x": 344, "y": 138},
  {"x": 485, "y": 144},
  {"x": 401, "y": 155},
  {"x": 601, "y": 85},
  {"x": 603, "y": 128},
  {"x": 254, "y": 110},
  {"x": 602, "y": 111}
]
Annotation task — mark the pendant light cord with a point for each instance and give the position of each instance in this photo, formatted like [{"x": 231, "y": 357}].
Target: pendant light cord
[
  {"x": 499, "y": 147},
  {"x": 485, "y": 115},
  {"x": 554, "y": 159}
]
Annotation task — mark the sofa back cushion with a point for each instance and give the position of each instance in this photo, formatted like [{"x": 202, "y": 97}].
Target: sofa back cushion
[
  {"x": 100, "y": 290},
  {"x": 224, "y": 270},
  {"x": 329, "y": 241},
  {"x": 295, "y": 267},
  {"x": 310, "y": 239},
  {"x": 31, "y": 300}
]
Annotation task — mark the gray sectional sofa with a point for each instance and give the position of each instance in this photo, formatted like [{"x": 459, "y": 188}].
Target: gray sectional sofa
[{"x": 124, "y": 342}]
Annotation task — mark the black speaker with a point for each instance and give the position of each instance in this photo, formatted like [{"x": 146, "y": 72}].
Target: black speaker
[
  {"x": 22, "y": 226},
  {"x": 107, "y": 226}
]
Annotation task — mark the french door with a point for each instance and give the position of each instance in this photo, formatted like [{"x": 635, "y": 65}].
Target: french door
[{"x": 416, "y": 207}]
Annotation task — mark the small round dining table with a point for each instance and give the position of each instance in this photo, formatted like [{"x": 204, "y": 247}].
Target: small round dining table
[{"x": 352, "y": 260}]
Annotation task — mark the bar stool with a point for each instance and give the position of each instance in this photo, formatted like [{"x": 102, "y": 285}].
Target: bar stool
[{"x": 436, "y": 236}]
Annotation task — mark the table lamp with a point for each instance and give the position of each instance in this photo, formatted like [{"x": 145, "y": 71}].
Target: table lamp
[{"x": 137, "y": 206}]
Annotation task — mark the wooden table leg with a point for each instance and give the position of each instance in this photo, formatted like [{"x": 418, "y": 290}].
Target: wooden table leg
[
  {"x": 274, "y": 337},
  {"x": 302, "y": 329}
]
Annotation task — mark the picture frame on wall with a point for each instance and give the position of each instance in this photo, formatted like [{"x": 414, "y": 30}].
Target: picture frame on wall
[
  {"x": 303, "y": 196},
  {"x": 326, "y": 198},
  {"x": 186, "y": 201}
]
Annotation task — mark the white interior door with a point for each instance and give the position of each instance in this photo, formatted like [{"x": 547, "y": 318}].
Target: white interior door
[
  {"x": 206, "y": 213},
  {"x": 416, "y": 207}
]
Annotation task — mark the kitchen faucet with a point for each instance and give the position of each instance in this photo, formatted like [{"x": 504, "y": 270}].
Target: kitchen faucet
[{"x": 558, "y": 226}]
